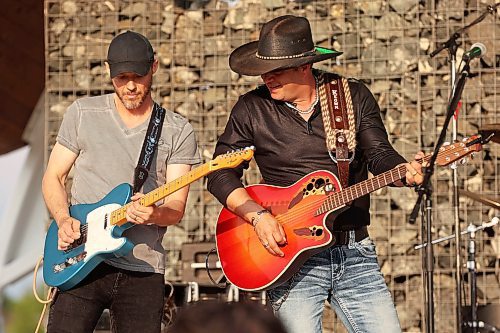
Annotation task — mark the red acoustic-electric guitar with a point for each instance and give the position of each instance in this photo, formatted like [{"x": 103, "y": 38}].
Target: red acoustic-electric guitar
[{"x": 301, "y": 209}]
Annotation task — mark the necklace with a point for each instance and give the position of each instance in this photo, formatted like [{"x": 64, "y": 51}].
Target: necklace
[{"x": 310, "y": 108}]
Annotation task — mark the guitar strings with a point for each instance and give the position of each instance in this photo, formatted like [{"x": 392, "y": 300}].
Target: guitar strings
[
  {"x": 336, "y": 197},
  {"x": 292, "y": 214},
  {"x": 119, "y": 214}
]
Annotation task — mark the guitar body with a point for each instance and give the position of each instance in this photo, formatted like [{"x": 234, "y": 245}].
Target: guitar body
[
  {"x": 100, "y": 240},
  {"x": 302, "y": 210},
  {"x": 246, "y": 263},
  {"x": 103, "y": 223}
]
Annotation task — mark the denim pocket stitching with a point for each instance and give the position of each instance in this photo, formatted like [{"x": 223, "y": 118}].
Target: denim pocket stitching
[{"x": 366, "y": 248}]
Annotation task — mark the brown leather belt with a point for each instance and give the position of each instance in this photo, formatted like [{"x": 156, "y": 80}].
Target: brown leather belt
[{"x": 342, "y": 237}]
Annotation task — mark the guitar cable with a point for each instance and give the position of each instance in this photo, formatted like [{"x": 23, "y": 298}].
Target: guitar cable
[
  {"x": 218, "y": 284},
  {"x": 51, "y": 293},
  {"x": 170, "y": 308}
]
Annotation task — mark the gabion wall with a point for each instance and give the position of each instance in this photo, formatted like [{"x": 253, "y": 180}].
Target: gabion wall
[{"x": 386, "y": 43}]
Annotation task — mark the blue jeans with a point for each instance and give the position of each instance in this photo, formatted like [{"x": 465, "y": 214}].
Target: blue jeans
[
  {"x": 349, "y": 277},
  {"x": 135, "y": 301}
]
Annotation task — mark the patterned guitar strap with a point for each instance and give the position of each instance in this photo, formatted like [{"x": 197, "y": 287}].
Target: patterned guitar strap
[
  {"x": 149, "y": 146},
  {"x": 339, "y": 122}
]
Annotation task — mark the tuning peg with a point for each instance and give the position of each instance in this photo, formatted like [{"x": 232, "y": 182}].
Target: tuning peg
[{"x": 464, "y": 160}]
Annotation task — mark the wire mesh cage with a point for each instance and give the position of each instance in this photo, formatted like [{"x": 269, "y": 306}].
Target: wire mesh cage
[{"x": 386, "y": 43}]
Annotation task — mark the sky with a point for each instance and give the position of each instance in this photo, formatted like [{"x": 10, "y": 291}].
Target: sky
[{"x": 11, "y": 165}]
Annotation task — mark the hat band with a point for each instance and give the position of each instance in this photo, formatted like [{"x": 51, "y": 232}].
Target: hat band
[
  {"x": 149, "y": 61},
  {"x": 305, "y": 54}
]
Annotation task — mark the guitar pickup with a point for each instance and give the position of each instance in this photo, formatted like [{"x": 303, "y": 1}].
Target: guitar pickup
[{"x": 69, "y": 262}]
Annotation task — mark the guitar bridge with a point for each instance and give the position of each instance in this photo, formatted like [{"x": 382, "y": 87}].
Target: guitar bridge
[{"x": 69, "y": 262}]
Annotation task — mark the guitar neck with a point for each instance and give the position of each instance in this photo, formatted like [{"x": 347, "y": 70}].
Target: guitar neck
[
  {"x": 118, "y": 216},
  {"x": 228, "y": 160},
  {"x": 351, "y": 193}
]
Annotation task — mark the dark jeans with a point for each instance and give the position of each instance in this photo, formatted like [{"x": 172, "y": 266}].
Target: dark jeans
[{"x": 134, "y": 299}]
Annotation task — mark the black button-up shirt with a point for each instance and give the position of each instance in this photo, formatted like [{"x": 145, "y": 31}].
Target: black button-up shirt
[{"x": 288, "y": 147}]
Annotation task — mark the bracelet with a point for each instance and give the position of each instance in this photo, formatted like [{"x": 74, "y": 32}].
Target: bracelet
[{"x": 256, "y": 219}]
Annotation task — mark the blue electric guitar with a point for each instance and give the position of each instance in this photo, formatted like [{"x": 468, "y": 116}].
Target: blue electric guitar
[{"x": 103, "y": 223}]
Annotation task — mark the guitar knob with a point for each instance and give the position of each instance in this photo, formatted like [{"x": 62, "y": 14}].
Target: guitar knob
[{"x": 329, "y": 188}]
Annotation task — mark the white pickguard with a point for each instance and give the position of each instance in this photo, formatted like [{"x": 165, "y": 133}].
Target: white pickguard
[{"x": 100, "y": 239}]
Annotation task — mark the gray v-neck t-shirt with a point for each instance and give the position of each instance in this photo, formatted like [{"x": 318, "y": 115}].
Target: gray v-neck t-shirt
[{"x": 108, "y": 153}]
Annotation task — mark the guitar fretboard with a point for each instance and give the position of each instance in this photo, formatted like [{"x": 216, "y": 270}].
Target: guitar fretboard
[
  {"x": 351, "y": 193},
  {"x": 118, "y": 216}
]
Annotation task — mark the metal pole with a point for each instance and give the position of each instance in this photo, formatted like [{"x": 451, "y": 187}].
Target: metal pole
[
  {"x": 471, "y": 265},
  {"x": 429, "y": 269},
  {"x": 456, "y": 218}
]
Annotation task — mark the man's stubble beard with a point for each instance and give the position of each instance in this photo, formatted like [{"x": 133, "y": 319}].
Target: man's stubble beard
[{"x": 132, "y": 105}]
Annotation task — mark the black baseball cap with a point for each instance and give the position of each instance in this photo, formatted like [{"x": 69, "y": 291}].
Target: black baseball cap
[{"x": 130, "y": 52}]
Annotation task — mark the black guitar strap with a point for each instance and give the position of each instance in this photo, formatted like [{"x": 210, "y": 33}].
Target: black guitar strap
[{"x": 149, "y": 147}]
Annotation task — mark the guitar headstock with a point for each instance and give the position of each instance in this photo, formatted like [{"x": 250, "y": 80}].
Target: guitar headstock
[
  {"x": 232, "y": 159},
  {"x": 458, "y": 150}
]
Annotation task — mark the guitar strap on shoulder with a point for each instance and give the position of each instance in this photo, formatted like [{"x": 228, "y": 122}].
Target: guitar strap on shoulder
[
  {"x": 149, "y": 147},
  {"x": 339, "y": 122}
]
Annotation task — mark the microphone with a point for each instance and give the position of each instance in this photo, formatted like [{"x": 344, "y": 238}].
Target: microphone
[{"x": 477, "y": 50}]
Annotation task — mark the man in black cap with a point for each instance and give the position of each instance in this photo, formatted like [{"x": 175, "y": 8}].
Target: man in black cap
[
  {"x": 103, "y": 139},
  {"x": 300, "y": 121}
]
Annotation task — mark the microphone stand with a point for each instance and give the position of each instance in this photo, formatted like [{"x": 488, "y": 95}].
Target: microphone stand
[
  {"x": 474, "y": 323},
  {"x": 425, "y": 189},
  {"x": 451, "y": 45},
  {"x": 471, "y": 265}
]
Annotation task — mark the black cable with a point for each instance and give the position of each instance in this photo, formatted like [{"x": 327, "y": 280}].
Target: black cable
[{"x": 220, "y": 285}]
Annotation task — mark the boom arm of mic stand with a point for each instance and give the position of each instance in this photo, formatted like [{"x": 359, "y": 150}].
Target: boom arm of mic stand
[
  {"x": 451, "y": 43},
  {"x": 492, "y": 9},
  {"x": 485, "y": 225}
]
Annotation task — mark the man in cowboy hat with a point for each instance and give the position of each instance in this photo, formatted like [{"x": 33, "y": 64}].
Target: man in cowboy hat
[{"x": 284, "y": 120}]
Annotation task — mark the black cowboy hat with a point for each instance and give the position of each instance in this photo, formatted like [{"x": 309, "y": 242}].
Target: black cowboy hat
[{"x": 284, "y": 42}]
